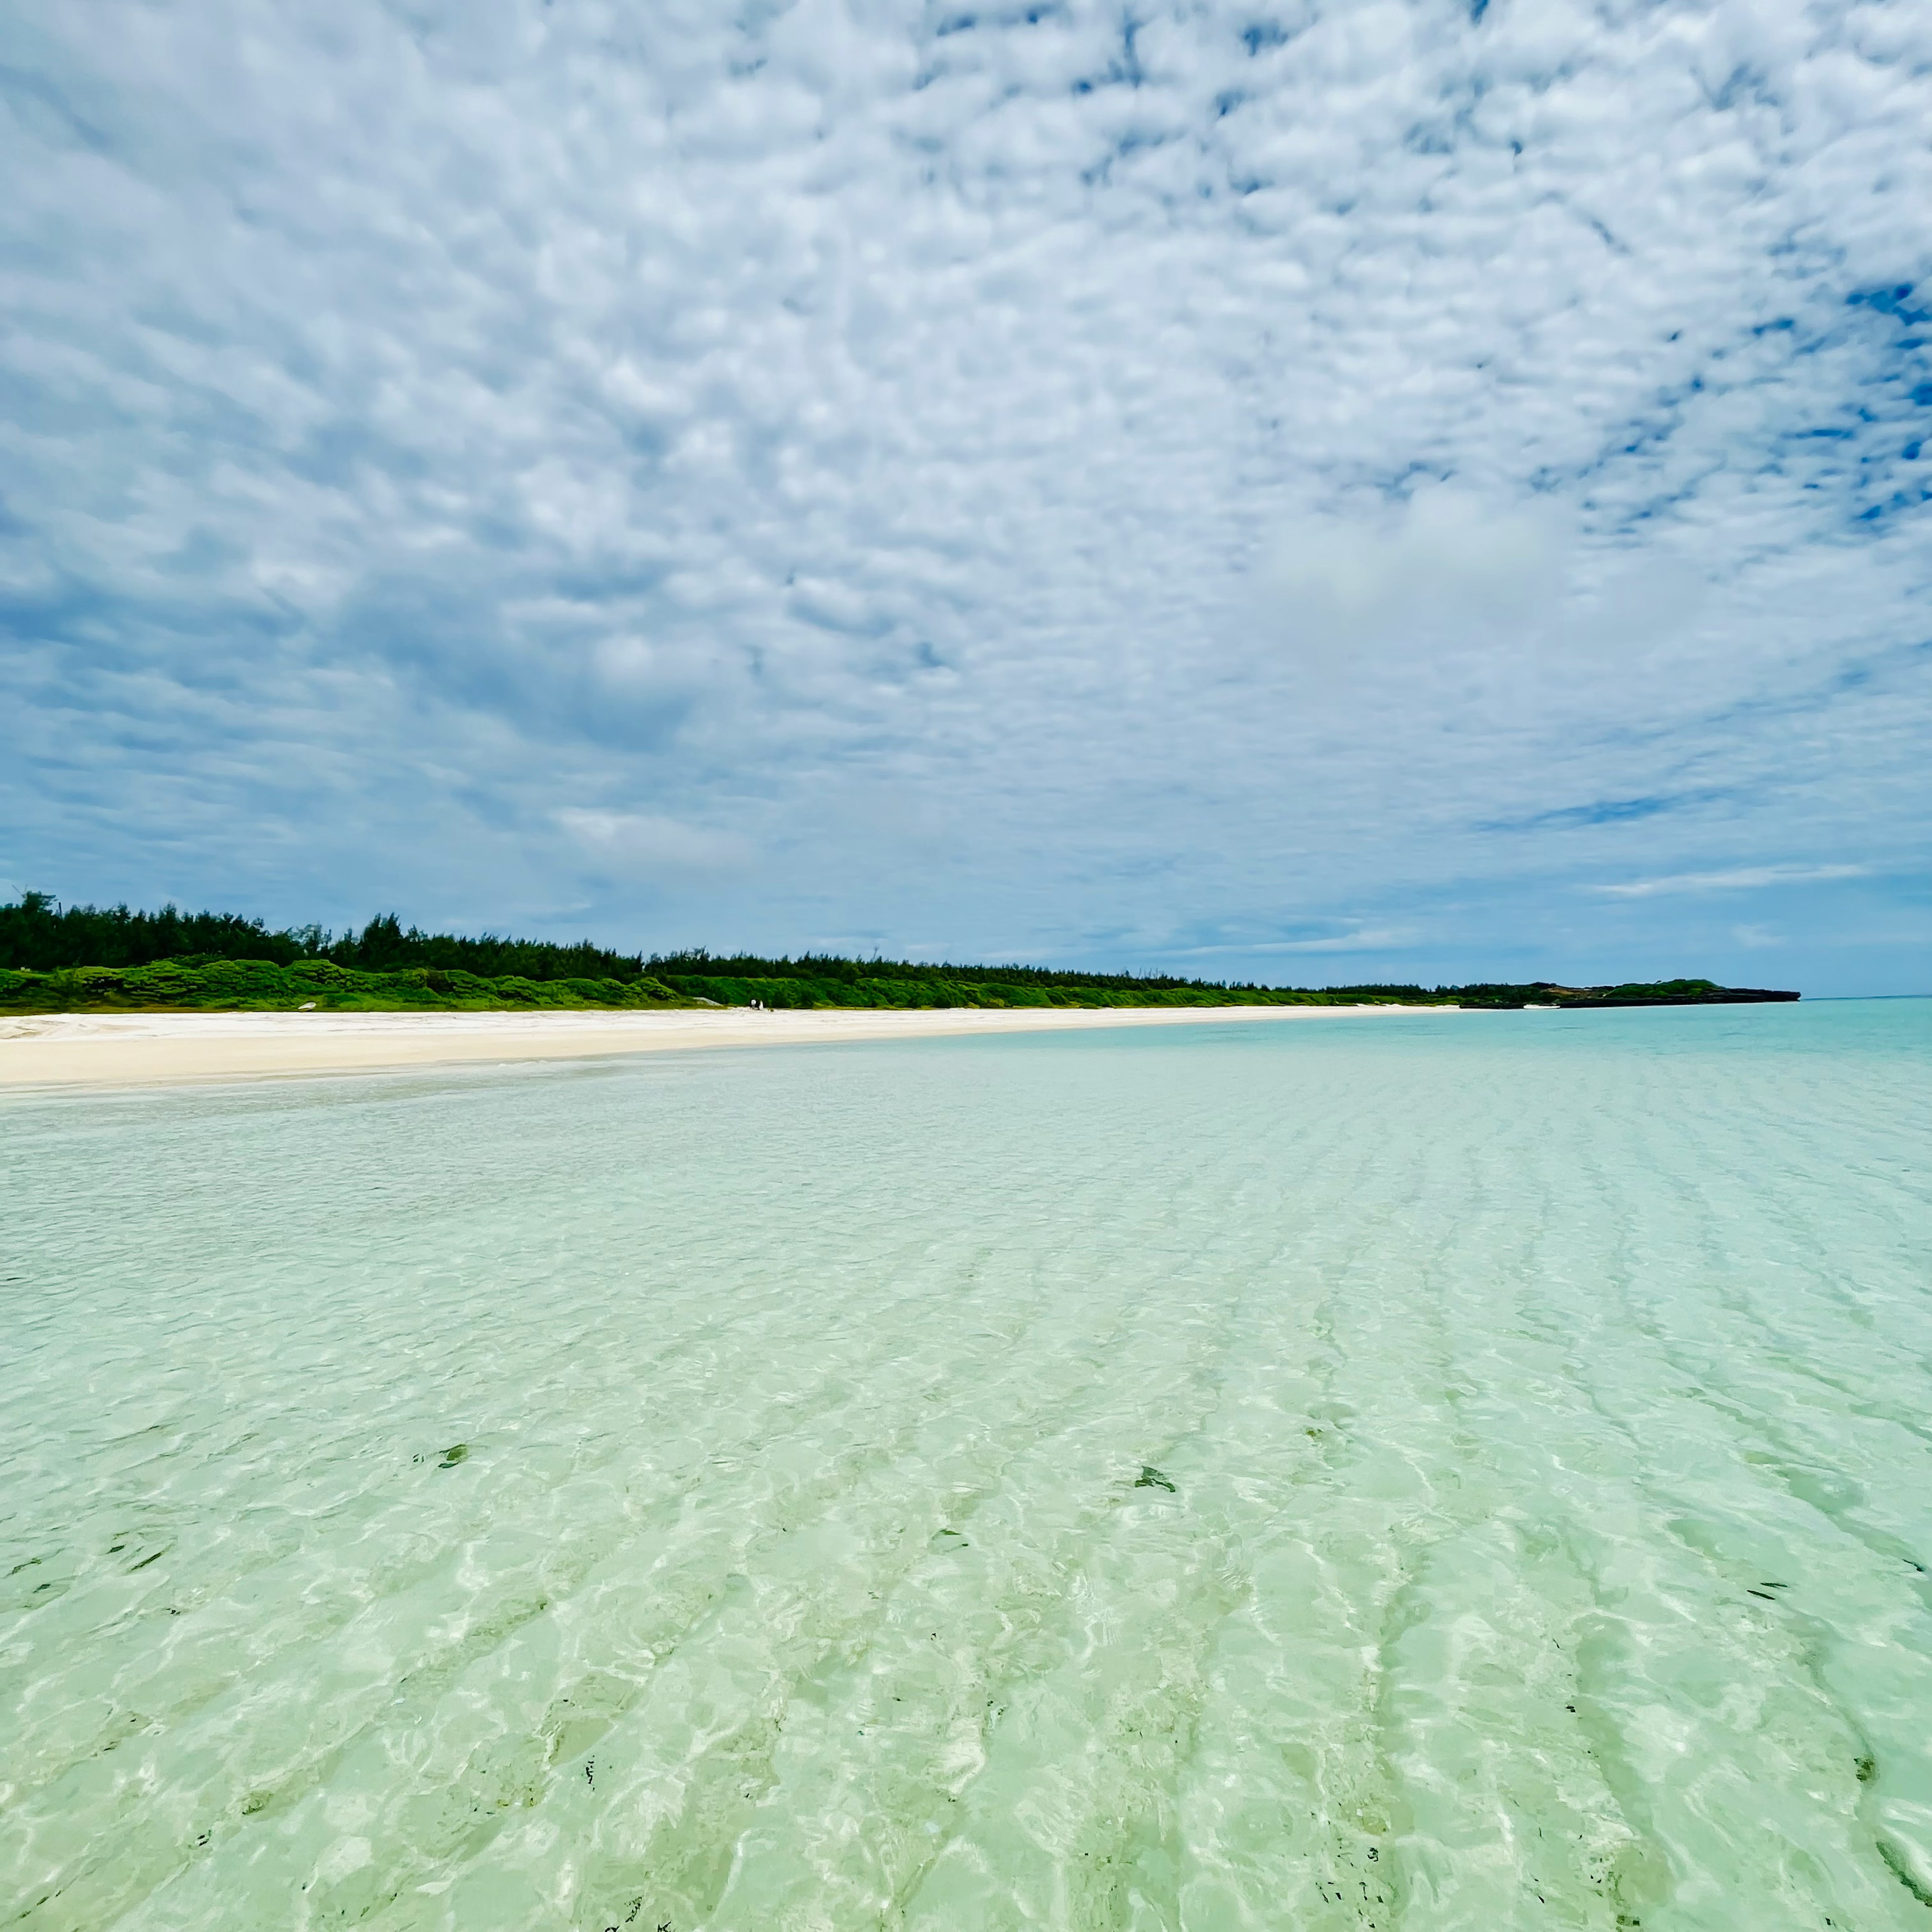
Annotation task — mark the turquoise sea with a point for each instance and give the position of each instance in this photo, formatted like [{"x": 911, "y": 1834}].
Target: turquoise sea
[{"x": 1467, "y": 1471}]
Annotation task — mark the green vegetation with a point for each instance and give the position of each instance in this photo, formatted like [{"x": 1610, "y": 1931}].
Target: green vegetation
[
  {"x": 86, "y": 957},
  {"x": 230, "y": 986},
  {"x": 39, "y": 935}
]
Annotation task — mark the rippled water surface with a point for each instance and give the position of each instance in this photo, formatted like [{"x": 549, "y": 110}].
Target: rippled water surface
[{"x": 1469, "y": 1470}]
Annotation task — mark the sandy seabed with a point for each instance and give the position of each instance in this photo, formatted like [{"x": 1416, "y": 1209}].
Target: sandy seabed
[
  {"x": 1429, "y": 1477},
  {"x": 167, "y": 1049}
]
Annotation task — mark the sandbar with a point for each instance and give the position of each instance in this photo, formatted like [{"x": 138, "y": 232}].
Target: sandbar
[{"x": 95, "y": 1050}]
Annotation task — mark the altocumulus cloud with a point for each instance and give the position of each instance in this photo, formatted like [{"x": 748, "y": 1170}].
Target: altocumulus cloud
[{"x": 1367, "y": 480}]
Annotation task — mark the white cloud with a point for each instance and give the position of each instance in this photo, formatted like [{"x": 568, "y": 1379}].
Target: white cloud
[
  {"x": 1440, "y": 566},
  {"x": 1743, "y": 878},
  {"x": 1366, "y": 939},
  {"x": 416, "y": 421},
  {"x": 1375, "y": 939},
  {"x": 633, "y": 843}
]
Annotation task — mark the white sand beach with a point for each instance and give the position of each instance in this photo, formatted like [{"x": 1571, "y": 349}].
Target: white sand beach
[{"x": 94, "y": 1050}]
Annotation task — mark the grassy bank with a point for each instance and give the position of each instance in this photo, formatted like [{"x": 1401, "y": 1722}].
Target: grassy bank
[{"x": 261, "y": 985}]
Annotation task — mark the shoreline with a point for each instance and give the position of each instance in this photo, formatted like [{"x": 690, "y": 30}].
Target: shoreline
[{"x": 61, "y": 1052}]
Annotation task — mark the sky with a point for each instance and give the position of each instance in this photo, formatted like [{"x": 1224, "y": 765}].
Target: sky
[{"x": 1412, "y": 490}]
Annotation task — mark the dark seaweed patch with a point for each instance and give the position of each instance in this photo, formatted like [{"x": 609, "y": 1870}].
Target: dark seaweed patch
[{"x": 1895, "y": 1860}]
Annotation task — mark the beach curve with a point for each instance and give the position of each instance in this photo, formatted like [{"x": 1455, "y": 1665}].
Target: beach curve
[{"x": 155, "y": 1049}]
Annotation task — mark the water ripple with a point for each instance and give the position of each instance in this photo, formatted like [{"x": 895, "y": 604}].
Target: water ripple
[{"x": 1423, "y": 1473}]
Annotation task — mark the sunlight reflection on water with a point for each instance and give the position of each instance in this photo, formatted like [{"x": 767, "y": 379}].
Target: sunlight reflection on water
[{"x": 1462, "y": 1471}]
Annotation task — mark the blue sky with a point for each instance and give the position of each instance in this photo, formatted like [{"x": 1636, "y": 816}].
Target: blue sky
[{"x": 1390, "y": 490}]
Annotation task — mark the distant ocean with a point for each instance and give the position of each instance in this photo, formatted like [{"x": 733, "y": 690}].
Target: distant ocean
[{"x": 1466, "y": 1470}]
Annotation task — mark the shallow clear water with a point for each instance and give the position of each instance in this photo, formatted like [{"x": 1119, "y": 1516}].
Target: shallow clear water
[{"x": 1468, "y": 1470}]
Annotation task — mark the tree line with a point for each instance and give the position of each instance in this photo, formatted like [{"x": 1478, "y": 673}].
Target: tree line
[
  {"x": 387, "y": 961},
  {"x": 39, "y": 935}
]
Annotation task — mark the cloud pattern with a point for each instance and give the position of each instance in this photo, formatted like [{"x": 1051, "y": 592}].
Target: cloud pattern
[{"x": 1163, "y": 484}]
